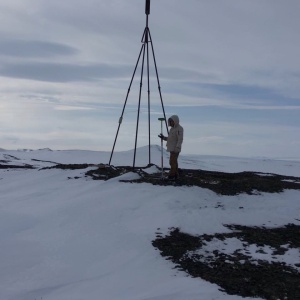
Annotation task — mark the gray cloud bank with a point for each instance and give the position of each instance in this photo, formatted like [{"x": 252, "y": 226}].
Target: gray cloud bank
[
  {"x": 34, "y": 49},
  {"x": 61, "y": 72},
  {"x": 228, "y": 61}
]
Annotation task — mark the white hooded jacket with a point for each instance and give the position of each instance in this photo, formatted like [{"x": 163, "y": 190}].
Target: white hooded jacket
[{"x": 175, "y": 137}]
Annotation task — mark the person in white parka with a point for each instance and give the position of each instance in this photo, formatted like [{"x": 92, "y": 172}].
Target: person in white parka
[{"x": 174, "y": 143}]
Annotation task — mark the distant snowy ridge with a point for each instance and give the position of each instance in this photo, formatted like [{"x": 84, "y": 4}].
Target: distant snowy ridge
[{"x": 205, "y": 162}]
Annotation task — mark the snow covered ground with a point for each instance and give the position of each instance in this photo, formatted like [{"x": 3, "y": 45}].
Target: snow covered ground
[{"x": 78, "y": 239}]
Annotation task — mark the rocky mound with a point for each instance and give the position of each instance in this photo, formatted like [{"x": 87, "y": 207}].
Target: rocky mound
[{"x": 219, "y": 182}]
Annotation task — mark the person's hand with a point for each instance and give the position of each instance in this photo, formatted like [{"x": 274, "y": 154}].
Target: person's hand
[{"x": 161, "y": 136}]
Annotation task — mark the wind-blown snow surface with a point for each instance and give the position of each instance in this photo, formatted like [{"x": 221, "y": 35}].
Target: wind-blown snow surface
[{"x": 78, "y": 239}]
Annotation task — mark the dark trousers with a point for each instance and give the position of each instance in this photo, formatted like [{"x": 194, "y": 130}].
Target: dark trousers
[{"x": 173, "y": 163}]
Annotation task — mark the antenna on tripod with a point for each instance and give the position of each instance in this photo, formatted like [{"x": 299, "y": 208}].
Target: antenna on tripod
[
  {"x": 147, "y": 8},
  {"x": 144, "y": 54}
]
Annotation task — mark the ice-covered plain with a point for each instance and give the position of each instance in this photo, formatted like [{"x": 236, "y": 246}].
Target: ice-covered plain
[{"x": 64, "y": 236}]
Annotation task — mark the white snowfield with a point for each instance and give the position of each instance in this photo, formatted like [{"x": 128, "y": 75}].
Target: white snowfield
[{"x": 63, "y": 238}]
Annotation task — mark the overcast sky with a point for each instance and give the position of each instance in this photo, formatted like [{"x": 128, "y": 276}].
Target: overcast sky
[{"x": 230, "y": 69}]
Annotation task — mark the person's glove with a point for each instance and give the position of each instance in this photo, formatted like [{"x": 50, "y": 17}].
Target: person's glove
[{"x": 161, "y": 136}]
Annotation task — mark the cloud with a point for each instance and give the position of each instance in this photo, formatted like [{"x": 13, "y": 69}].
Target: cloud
[
  {"x": 34, "y": 49},
  {"x": 72, "y": 107},
  {"x": 62, "y": 72},
  {"x": 217, "y": 91},
  {"x": 65, "y": 67},
  {"x": 241, "y": 139}
]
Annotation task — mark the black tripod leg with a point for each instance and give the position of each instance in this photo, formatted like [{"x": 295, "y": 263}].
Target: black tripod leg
[
  {"x": 121, "y": 118},
  {"x": 139, "y": 106},
  {"x": 159, "y": 89},
  {"x": 149, "y": 121}
]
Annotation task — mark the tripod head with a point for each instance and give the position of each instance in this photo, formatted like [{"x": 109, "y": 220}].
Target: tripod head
[{"x": 147, "y": 8}]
